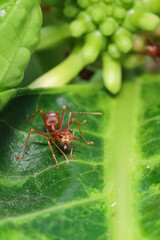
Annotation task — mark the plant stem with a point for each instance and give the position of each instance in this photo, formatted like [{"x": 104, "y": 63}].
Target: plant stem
[
  {"x": 53, "y": 34},
  {"x": 62, "y": 73}
]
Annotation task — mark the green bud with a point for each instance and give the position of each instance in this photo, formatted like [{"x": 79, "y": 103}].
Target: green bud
[
  {"x": 107, "y": 28},
  {"x": 114, "y": 22},
  {"x": 78, "y": 27},
  {"x": 139, "y": 43},
  {"x": 92, "y": 47},
  {"x": 70, "y": 10},
  {"x": 113, "y": 51},
  {"x": 119, "y": 12},
  {"x": 97, "y": 13},
  {"x": 123, "y": 40},
  {"x": 112, "y": 74},
  {"x": 83, "y": 3},
  {"x": 86, "y": 17},
  {"x": 144, "y": 20},
  {"x": 152, "y": 5},
  {"x": 109, "y": 10}
]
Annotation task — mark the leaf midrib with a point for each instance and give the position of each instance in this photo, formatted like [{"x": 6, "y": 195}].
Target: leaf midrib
[{"x": 121, "y": 162}]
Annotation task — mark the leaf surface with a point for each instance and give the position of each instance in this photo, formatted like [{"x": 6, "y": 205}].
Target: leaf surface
[{"x": 110, "y": 190}]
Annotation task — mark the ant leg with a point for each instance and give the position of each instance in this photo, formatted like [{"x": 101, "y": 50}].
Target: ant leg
[
  {"x": 60, "y": 151},
  {"x": 72, "y": 147},
  {"x": 74, "y": 119},
  {"x": 62, "y": 117},
  {"x": 49, "y": 143},
  {"x": 44, "y": 120},
  {"x": 32, "y": 130}
]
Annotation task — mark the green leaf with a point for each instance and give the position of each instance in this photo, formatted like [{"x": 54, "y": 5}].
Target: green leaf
[
  {"x": 111, "y": 189},
  {"x": 20, "y": 23}
]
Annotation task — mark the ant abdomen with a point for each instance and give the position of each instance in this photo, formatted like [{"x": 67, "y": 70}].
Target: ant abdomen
[{"x": 52, "y": 119}]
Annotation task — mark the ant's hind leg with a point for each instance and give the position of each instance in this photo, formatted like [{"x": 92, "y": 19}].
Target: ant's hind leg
[
  {"x": 43, "y": 116},
  {"x": 32, "y": 130}
]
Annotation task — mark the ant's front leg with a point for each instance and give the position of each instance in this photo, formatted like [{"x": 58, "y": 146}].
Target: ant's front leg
[
  {"x": 32, "y": 130},
  {"x": 52, "y": 141},
  {"x": 72, "y": 145},
  {"x": 49, "y": 143}
]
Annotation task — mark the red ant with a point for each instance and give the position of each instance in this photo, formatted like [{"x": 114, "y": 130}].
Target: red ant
[
  {"x": 52, "y": 121},
  {"x": 153, "y": 50}
]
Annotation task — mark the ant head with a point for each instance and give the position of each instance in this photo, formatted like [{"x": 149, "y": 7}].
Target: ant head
[{"x": 64, "y": 136}]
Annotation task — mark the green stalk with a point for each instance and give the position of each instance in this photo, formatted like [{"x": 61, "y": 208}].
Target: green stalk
[
  {"x": 62, "y": 73},
  {"x": 53, "y": 34},
  {"x": 112, "y": 75}
]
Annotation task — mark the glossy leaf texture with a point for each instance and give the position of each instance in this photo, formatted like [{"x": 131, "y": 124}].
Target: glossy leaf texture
[
  {"x": 20, "y": 24},
  {"x": 109, "y": 191}
]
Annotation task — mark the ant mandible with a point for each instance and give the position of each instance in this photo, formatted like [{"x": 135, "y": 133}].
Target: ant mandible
[{"x": 52, "y": 121}]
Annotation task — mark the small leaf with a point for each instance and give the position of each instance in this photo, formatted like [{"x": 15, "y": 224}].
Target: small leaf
[{"x": 20, "y": 23}]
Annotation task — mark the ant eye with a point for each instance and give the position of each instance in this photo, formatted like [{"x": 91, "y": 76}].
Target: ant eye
[{"x": 60, "y": 136}]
